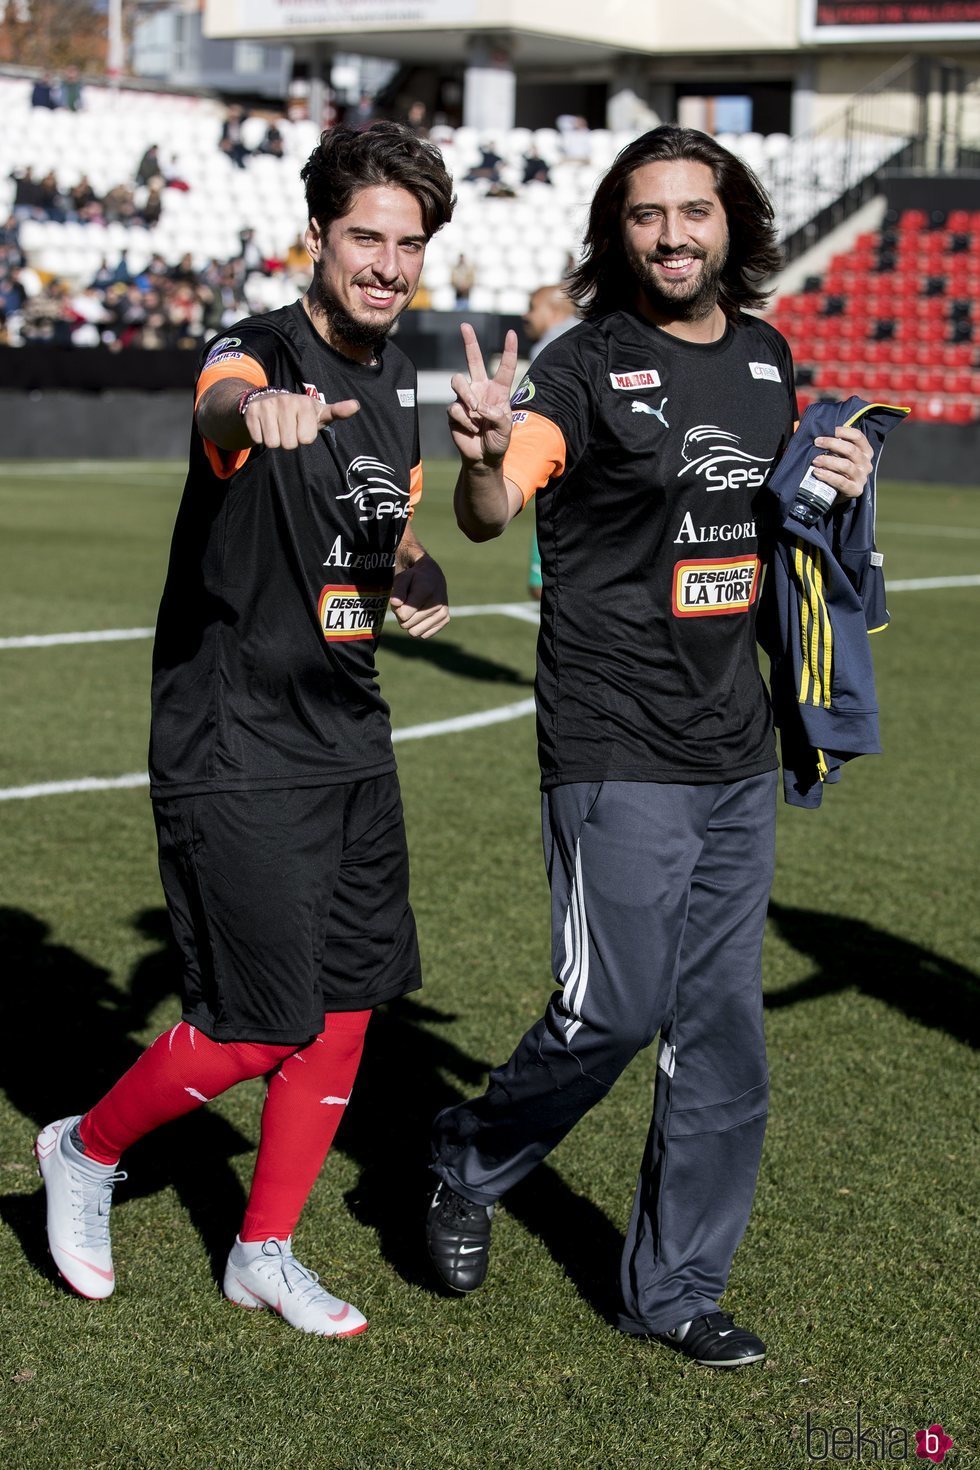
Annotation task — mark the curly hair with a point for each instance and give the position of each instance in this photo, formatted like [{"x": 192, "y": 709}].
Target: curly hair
[
  {"x": 347, "y": 160},
  {"x": 603, "y": 280}
]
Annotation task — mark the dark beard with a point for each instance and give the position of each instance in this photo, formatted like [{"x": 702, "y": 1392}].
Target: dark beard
[
  {"x": 345, "y": 328},
  {"x": 691, "y": 308}
]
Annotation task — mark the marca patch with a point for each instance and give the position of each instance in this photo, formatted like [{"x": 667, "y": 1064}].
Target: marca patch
[
  {"x": 716, "y": 586},
  {"x": 348, "y": 613},
  {"x": 222, "y": 345},
  {"x": 766, "y": 370},
  {"x": 636, "y": 381},
  {"x": 406, "y": 397}
]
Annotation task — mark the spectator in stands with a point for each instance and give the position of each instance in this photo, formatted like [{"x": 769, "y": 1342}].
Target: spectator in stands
[
  {"x": 119, "y": 206},
  {"x": 10, "y": 241},
  {"x": 50, "y": 200},
  {"x": 362, "y": 114},
  {"x": 230, "y": 142},
  {"x": 173, "y": 178},
  {"x": 27, "y": 194},
  {"x": 81, "y": 197},
  {"x": 249, "y": 254},
  {"x": 273, "y": 143},
  {"x": 417, "y": 119},
  {"x": 152, "y": 206},
  {"x": 536, "y": 171},
  {"x": 184, "y": 269},
  {"x": 46, "y": 92},
  {"x": 488, "y": 167},
  {"x": 149, "y": 167},
  {"x": 463, "y": 279},
  {"x": 71, "y": 90},
  {"x": 297, "y": 263}
]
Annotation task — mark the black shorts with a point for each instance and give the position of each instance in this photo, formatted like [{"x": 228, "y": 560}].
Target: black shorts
[{"x": 288, "y": 904}]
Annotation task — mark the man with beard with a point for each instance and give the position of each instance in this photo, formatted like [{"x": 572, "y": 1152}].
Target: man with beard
[
  {"x": 279, "y": 821},
  {"x": 647, "y": 435}
]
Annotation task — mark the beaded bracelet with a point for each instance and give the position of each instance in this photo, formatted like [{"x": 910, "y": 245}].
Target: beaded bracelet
[{"x": 251, "y": 394}]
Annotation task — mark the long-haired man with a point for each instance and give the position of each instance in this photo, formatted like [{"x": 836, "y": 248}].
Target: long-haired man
[{"x": 647, "y": 436}]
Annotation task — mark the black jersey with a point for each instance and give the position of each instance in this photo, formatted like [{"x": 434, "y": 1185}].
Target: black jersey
[
  {"x": 649, "y": 454},
  {"x": 280, "y": 570}
]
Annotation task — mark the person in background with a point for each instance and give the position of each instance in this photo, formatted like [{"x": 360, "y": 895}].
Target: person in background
[{"x": 550, "y": 313}]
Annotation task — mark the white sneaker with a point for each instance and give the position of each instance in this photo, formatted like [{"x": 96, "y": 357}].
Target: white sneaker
[
  {"x": 267, "y": 1274},
  {"x": 79, "y": 1194}
]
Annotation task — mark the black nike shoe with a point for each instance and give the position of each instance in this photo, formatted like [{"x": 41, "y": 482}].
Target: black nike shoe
[
  {"x": 457, "y": 1233},
  {"x": 715, "y": 1342}
]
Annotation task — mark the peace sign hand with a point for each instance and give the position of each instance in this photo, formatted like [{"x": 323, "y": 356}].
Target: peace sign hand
[{"x": 480, "y": 419}]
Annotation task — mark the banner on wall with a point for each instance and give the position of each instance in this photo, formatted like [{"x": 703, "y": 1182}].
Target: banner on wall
[
  {"x": 889, "y": 20},
  {"x": 285, "y": 15}
]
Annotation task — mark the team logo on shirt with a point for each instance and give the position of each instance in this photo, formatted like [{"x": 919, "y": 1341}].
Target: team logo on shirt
[
  {"x": 635, "y": 381},
  {"x": 523, "y": 393},
  {"x": 223, "y": 344},
  {"x": 717, "y": 585},
  {"x": 349, "y": 613},
  {"x": 374, "y": 493},
  {"x": 766, "y": 370},
  {"x": 717, "y": 457},
  {"x": 312, "y": 391}
]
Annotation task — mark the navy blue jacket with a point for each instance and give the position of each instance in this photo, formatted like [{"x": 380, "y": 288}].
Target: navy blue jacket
[{"x": 824, "y": 593}]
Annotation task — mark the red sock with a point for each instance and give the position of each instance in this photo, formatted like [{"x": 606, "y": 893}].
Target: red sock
[
  {"x": 182, "y": 1070},
  {"x": 303, "y": 1109}
]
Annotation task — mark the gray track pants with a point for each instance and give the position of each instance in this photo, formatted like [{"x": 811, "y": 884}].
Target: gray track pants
[{"x": 659, "y": 898}]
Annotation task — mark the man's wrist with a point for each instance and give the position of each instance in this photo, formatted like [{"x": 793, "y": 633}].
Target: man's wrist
[{"x": 250, "y": 395}]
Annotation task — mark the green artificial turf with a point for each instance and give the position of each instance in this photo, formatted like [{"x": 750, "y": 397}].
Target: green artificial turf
[{"x": 859, "y": 1266}]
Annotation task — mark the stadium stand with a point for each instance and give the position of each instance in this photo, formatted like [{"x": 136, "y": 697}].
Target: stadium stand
[{"x": 896, "y": 316}]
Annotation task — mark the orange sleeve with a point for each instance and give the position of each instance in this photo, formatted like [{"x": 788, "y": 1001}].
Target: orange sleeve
[
  {"x": 536, "y": 454},
  {"x": 225, "y": 462},
  {"x": 414, "y": 488}
]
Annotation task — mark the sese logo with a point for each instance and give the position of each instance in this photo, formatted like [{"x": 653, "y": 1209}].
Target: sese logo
[
  {"x": 374, "y": 493},
  {"x": 716, "y": 456}
]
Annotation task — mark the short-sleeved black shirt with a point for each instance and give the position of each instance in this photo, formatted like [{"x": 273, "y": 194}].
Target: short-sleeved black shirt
[
  {"x": 264, "y": 661},
  {"x": 649, "y": 530}
]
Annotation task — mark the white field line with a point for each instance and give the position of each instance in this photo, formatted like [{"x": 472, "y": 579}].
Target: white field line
[
  {"x": 499, "y": 716},
  {"x": 525, "y": 612}
]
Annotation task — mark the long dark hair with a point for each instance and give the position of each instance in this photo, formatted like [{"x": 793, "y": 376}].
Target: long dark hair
[
  {"x": 604, "y": 281},
  {"x": 347, "y": 160}
]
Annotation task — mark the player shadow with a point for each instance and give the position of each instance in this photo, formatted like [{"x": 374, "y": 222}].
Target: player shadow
[
  {"x": 402, "y": 1084},
  {"x": 400, "y": 1088},
  {"x": 452, "y": 659},
  {"x": 850, "y": 953},
  {"x": 64, "y": 1068}
]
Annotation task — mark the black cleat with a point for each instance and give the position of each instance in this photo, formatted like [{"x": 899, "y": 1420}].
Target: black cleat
[
  {"x": 715, "y": 1342},
  {"x": 457, "y": 1233}
]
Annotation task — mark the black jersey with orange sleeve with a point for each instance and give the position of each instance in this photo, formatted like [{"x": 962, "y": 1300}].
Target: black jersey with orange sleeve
[
  {"x": 647, "y": 455},
  {"x": 280, "y": 570}
]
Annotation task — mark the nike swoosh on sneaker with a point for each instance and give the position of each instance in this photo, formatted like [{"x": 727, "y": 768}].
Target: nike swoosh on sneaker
[
  {"x": 106, "y": 1275},
  {"x": 339, "y": 1316},
  {"x": 468, "y": 1250},
  {"x": 728, "y": 1333}
]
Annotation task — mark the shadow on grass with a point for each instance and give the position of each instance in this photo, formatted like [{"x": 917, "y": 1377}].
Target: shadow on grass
[
  {"x": 453, "y": 659},
  {"x": 400, "y": 1087},
  {"x": 852, "y": 954},
  {"x": 81, "y": 1051}
]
